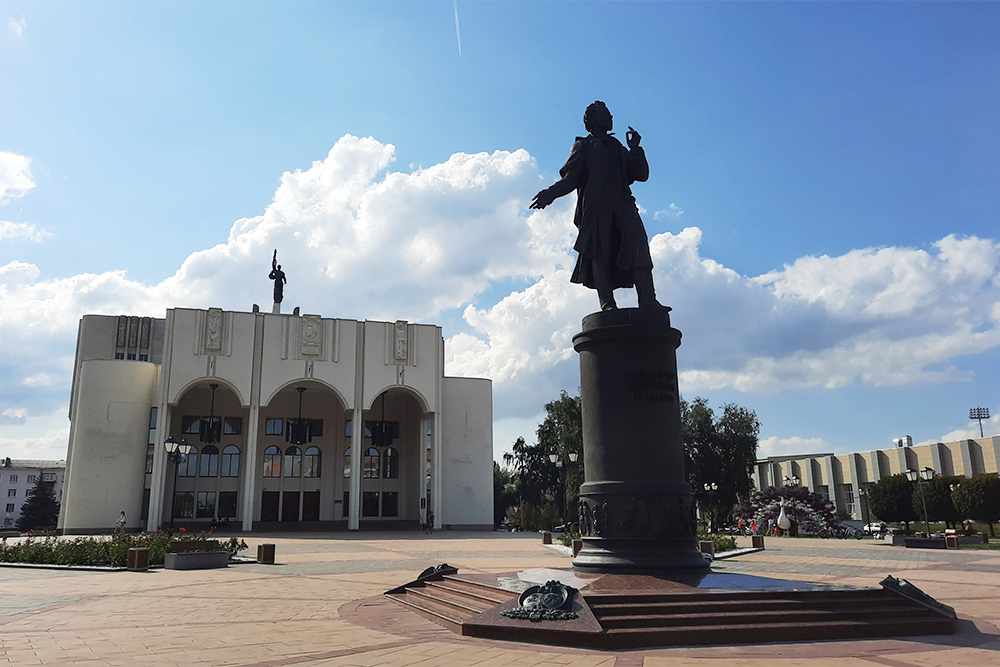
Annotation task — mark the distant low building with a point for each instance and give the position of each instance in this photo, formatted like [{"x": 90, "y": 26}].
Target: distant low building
[
  {"x": 295, "y": 421},
  {"x": 19, "y": 476},
  {"x": 840, "y": 477}
]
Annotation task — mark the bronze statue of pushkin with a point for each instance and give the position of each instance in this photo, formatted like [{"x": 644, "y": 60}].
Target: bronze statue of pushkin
[{"x": 612, "y": 243}]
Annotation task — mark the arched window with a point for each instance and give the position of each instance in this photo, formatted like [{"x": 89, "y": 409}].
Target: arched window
[
  {"x": 231, "y": 461},
  {"x": 209, "y": 461},
  {"x": 390, "y": 469},
  {"x": 189, "y": 466},
  {"x": 272, "y": 462},
  {"x": 293, "y": 462},
  {"x": 369, "y": 466},
  {"x": 347, "y": 462},
  {"x": 310, "y": 463}
]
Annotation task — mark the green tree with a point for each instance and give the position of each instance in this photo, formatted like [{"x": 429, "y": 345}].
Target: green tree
[
  {"x": 937, "y": 495},
  {"x": 536, "y": 476},
  {"x": 978, "y": 498},
  {"x": 891, "y": 499},
  {"x": 719, "y": 450},
  {"x": 504, "y": 490},
  {"x": 562, "y": 433},
  {"x": 41, "y": 508}
]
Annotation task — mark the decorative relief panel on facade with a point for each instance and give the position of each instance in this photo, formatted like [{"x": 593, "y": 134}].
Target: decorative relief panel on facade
[
  {"x": 312, "y": 335},
  {"x": 401, "y": 343},
  {"x": 122, "y": 331},
  {"x": 213, "y": 330},
  {"x": 133, "y": 332},
  {"x": 147, "y": 323}
]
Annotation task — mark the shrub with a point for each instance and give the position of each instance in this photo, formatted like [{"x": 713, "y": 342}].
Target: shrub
[
  {"x": 538, "y": 517},
  {"x": 85, "y": 550},
  {"x": 722, "y": 542},
  {"x": 567, "y": 538}
]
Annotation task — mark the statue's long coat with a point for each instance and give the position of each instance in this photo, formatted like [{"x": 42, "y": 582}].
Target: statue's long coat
[{"x": 601, "y": 170}]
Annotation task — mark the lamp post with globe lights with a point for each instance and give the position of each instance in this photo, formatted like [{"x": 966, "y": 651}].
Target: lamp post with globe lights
[
  {"x": 176, "y": 453},
  {"x": 554, "y": 458},
  {"x": 865, "y": 516},
  {"x": 710, "y": 489},
  {"x": 926, "y": 474}
]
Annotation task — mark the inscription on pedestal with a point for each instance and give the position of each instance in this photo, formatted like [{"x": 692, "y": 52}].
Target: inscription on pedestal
[{"x": 659, "y": 386}]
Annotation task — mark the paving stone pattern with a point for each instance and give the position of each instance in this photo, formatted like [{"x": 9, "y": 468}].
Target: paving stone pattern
[{"x": 319, "y": 605}]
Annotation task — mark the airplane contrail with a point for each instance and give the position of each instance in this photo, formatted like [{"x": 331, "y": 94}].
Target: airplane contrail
[{"x": 458, "y": 31}]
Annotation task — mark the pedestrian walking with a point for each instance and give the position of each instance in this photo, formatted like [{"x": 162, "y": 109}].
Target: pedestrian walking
[
  {"x": 770, "y": 527},
  {"x": 743, "y": 531},
  {"x": 430, "y": 522},
  {"x": 753, "y": 526},
  {"x": 120, "y": 524}
]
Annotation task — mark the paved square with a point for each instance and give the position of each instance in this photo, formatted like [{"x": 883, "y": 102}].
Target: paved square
[{"x": 296, "y": 611}]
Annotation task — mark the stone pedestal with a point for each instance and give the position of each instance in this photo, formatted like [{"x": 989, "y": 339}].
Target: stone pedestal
[{"x": 636, "y": 508}]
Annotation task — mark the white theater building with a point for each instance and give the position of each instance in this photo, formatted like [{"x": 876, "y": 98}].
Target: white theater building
[{"x": 230, "y": 384}]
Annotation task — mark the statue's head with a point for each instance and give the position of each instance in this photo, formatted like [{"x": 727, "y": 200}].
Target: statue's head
[
  {"x": 597, "y": 118},
  {"x": 279, "y": 267}
]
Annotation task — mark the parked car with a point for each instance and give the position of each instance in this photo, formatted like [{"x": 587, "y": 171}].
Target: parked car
[{"x": 877, "y": 527}]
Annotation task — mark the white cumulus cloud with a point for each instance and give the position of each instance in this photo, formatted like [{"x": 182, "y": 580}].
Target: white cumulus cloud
[
  {"x": 794, "y": 446},
  {"x": 359, "y": 240},
  {"x": 17, "y": 26},
  {"x": 673, "y": 211},
  {"x": 22, "y": 230},
  {"x": 15, "y": 176}
]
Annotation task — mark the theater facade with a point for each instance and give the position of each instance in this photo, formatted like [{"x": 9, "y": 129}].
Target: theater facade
[{"x": 292, "y": 421}]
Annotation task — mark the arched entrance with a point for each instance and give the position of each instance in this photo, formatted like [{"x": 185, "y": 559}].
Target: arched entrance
[
  {"x": 392, "y": 458},
  {"x": 206, "y": 484},
  {"x": 301, "y": 434}
]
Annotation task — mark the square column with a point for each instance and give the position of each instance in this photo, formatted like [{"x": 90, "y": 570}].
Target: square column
[{"x": 357, "y": 442}]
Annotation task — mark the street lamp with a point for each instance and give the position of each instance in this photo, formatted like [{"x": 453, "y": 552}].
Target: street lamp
[
  {"x": 792, "y": 481},
  {"x": 710, "y": 489},
  {"x": 176, "y": 451},
  {"x": 925, "y": 474},
  {"x": 863, "y": 494},
  {"x": 554, "y": 458}
]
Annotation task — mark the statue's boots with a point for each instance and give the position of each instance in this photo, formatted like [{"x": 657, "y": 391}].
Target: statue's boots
[{"x": 643, "y": 279}]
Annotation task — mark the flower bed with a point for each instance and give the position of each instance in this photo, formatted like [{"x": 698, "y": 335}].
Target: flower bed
[{"x": 98, "y": 551}]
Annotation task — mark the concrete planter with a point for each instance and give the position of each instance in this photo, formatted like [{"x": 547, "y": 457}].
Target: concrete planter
[
  {"x": 924, "y": 543},
  {"x": 195, "y": 560}
]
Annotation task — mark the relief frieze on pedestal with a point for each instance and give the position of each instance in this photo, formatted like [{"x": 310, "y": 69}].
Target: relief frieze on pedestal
[{"x": 637, "y": 515}]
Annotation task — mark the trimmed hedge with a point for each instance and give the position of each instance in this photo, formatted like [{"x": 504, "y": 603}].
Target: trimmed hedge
[{"x": 95, "y": 551}]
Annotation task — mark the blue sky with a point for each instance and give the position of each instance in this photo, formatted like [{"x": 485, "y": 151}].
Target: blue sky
[{"x": 821, "y": 155}]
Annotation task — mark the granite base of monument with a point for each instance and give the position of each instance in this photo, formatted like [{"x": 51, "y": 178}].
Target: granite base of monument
[
  {"x": 636, "y": 508},
  {"x": 630, "y": 611}
]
